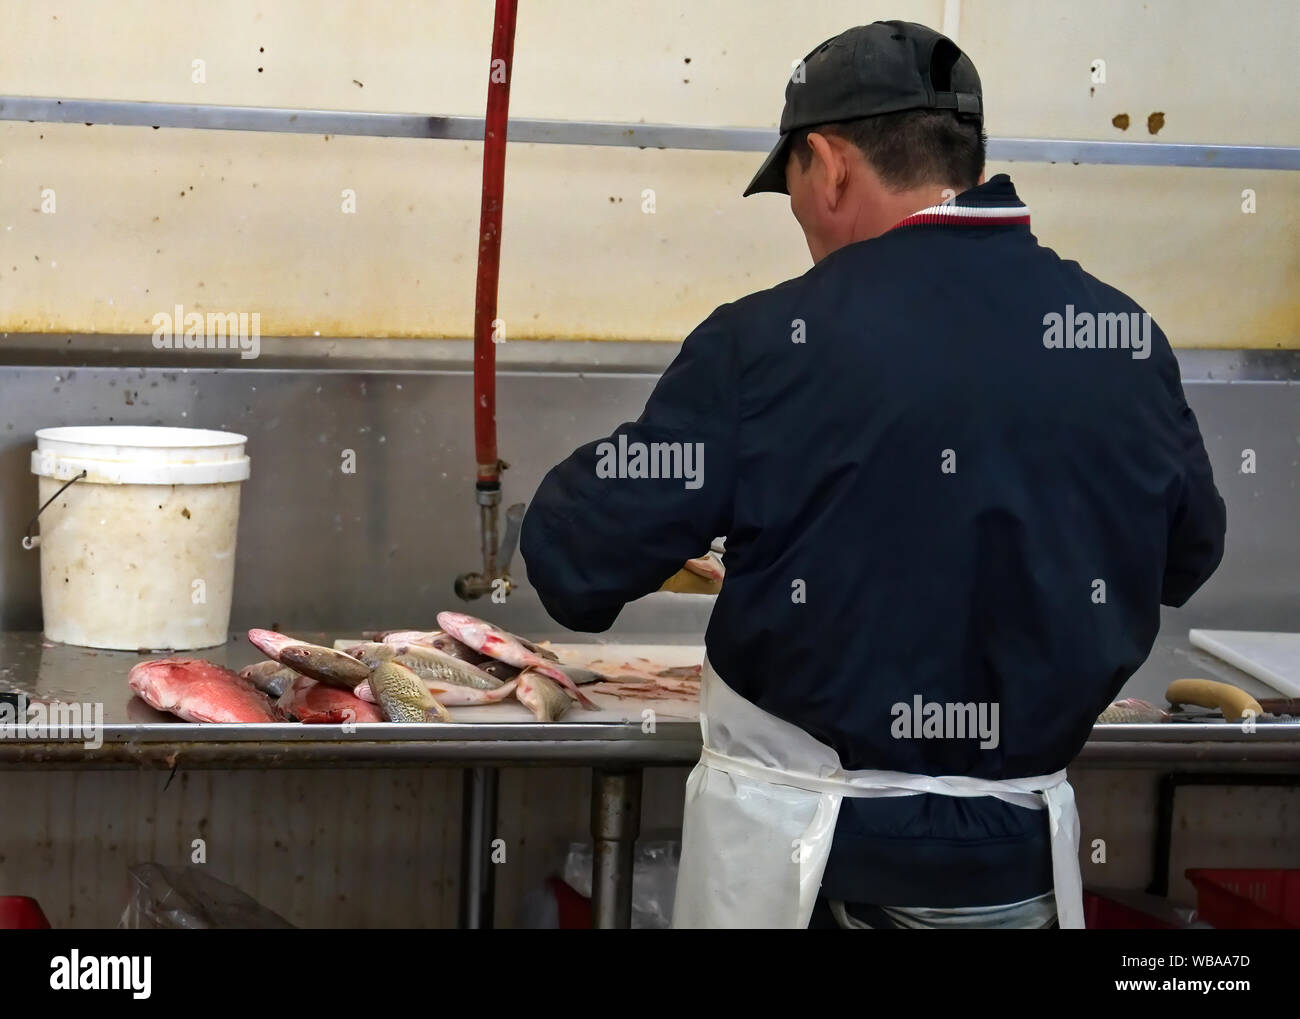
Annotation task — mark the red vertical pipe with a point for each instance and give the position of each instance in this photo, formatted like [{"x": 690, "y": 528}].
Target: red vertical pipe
[{"x": 489, "y": 241}]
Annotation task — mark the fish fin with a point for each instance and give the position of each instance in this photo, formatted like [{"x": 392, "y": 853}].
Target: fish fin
[
  {"x": 559, "y": 676},
  {"x": 539, "y": 649},
  {"x": 436, "y": 712}
]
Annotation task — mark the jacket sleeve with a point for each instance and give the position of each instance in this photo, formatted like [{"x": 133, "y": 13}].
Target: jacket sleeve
[
  {"x": 1199, "y": 517},
  {"x": 606, "y": 526}
]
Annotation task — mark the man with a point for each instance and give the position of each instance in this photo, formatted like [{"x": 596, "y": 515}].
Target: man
[{"x": 957, "y": 478}]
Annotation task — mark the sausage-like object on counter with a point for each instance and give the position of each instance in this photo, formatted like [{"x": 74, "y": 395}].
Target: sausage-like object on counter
[{"x": 1233, "y": 701}]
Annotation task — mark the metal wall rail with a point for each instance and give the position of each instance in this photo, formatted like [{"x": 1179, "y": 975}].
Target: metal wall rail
[{"x": 37, "y": 109}]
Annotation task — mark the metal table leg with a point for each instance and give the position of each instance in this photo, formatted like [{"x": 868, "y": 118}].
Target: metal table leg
[
  {"x": 615, "y": 825},
  {"x": 478, "y": 829}
]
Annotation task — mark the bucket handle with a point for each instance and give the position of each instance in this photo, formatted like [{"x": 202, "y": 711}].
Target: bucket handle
[{"x": 31, "y": 541}]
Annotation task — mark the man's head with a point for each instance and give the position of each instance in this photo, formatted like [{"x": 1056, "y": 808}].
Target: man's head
[
  {"x": 880, "y": 121},
  {"x": 852, "y": 181}
]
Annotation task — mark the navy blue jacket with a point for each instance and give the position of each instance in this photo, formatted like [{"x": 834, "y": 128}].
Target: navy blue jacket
[{"x": 929, "y": 488}]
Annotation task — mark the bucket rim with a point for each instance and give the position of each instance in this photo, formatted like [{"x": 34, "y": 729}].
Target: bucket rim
[{"x": 141, "y": 436}]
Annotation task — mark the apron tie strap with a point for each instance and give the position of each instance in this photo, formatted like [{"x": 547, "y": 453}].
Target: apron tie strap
[
  {"x": 762, "y": 781},
  {"x": 1052, "y": 793}
]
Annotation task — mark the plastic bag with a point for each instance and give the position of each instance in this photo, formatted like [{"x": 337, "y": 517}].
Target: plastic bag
[
  {"x": 189, "y": 898},
  {"x": 654, "y": 879}
]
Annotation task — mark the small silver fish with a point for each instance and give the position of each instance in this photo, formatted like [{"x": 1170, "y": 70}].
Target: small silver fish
[
  {"x": 333, "y": 668},
  {"x": 272, "y": 678},
  {"x": 430, "y": 664},
  {"x": 450, "y": 696}
]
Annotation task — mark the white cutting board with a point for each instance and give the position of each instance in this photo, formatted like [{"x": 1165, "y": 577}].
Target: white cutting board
[{"x": 1272, "y": 658}]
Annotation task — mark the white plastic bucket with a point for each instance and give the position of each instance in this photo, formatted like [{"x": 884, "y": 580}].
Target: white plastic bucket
[{"x": 140, "y": 553}]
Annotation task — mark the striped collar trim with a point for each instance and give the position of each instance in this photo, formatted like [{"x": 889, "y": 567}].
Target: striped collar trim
[{"x": 968, "y": 215}]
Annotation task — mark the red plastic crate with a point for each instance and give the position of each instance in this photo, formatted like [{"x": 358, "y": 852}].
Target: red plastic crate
[
  {"x": 574, "y": 909},
  {"x": 19, "y": 912},
  {"x": 1102, "y": 912},
  {"x": 1259, "y": 899}
]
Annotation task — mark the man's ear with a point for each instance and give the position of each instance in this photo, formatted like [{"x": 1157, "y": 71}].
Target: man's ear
[{"x": 828, "y": 167}]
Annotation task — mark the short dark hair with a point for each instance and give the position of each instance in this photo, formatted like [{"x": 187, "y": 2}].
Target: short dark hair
[{"x": 911, "y": 148}]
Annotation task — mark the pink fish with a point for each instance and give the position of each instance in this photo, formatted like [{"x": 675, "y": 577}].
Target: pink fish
[
  {"x": 444, "y": 641},
  {"x": 199, "y": 691},
  {"x": 315, "y": 703},
  {"x": 1132, "y": 711},
  {"x": 491, "y": 640}
]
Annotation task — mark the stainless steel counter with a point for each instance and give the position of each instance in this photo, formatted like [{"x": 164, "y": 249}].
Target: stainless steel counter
[
  {"x": 612, "y": 742},
  {"x": 135, "y": 734}
]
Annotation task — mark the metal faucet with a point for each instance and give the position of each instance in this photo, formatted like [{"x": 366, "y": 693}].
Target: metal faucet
[{"x": 495, "y": 575}]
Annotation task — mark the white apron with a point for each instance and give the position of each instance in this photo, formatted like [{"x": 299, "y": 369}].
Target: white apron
[{"x": 761, "y": 808}]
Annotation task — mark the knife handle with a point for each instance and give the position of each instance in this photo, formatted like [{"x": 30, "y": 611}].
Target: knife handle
[{"x": 1233, "y": 701}]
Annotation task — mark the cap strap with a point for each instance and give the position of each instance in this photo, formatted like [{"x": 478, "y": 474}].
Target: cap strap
[{"x": 966, "y": 103}]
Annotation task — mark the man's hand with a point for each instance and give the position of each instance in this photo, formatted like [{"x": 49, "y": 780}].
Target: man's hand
[{"x": 699, "y": 576}]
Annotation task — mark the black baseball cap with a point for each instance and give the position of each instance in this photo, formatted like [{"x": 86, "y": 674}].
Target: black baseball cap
[{"x": 884, "y": 67}]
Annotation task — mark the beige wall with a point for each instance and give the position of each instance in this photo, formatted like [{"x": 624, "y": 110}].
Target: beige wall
[{"x": 236, "y": 221}]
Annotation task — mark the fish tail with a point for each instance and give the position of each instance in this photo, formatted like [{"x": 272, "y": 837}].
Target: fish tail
[{"x": 504, "y": 691}]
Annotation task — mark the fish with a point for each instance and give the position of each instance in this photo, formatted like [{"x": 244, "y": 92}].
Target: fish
[
  {"x": 272, "y": 678},
  {"x": 402, "y": 636},
  {"x": 403, "y": 696},
  {"x": 430, "y": 664},
  {"x": 502, "y": 670},
  {"x": 468, "y": 696},
  {"x": 430, "y": 638},
  {"x": 444, "y": 641},
  {"x": 450, "y": 680},
  {"x": 491, "y": 640},
  {"x": 379, "y": 636},
  {"x": 542, "y": 696},
  {"x": 199, "y": 691},
  {"x": 451, "y": 696},
  {"x": 320, "y": 663},
  {"x": 538, "y": 649},
  {"x": 1131, "y": 711},
  {"x": 315, "y": 703}
]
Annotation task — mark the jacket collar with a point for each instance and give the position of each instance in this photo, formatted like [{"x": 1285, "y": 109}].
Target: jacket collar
[{"x": 993, "y": 203}]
